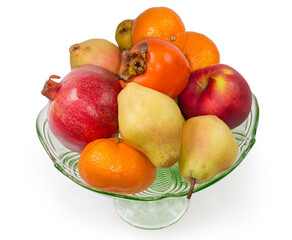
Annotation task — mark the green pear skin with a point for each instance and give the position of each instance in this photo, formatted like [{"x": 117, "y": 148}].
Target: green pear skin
[
  {"x": 150, "y": 122},
  {"x": 208, "y": 148}
]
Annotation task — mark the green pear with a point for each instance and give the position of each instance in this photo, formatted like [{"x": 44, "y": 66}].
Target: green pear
[
  {"x": 123, "y": 34},
  {"x": 208, "y": 148},
  {"x": 150, "y": 122}
]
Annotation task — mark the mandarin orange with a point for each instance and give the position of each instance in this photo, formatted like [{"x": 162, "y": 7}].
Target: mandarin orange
[
  {"x": 200, "y": 51},
  {"x": 113, "y": 166},
  {"x": 159, "y": 22}
]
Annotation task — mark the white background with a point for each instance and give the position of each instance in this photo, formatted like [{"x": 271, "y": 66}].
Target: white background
[{"x": 37, "y": 202}]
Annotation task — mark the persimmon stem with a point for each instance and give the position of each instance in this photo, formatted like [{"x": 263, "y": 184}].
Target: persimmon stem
[
  {"x": 191, "y": 188},
  {"x": 133, "y": 63}
]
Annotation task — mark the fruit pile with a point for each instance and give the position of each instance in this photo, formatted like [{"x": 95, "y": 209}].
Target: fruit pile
[{"x": 163, "y": 90}]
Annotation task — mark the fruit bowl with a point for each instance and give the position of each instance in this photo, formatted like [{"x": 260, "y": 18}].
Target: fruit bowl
[{"x": 163, "y": 203}]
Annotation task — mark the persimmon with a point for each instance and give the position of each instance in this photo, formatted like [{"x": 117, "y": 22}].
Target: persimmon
[
  {"x": 112, "y": 165},
  {"x": 157, "y": 64}
]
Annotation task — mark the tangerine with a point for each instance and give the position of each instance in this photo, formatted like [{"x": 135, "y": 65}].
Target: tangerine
[
  {"x": 200, "y": 51},
  {"x": 159, "y": 22},
  {"x": 112, "y": 165}
]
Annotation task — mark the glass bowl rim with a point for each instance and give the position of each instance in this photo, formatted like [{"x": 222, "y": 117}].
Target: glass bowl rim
[{"x": 250, "y": 144}]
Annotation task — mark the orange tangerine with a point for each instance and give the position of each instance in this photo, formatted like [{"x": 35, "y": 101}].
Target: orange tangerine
[
  {"x": 159, "y": 22},
  {"x": 200, "y": 51},
  {"x": 112, "y": 165}
]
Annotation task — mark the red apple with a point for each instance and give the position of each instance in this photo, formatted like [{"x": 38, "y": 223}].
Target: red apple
[{"x": 217, "y": 90}]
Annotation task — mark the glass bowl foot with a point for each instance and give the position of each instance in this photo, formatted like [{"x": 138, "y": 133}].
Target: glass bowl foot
[{"x": 152, "y": 214}]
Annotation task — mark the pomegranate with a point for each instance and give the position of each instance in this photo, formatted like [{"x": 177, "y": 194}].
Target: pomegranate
[{"x": 83, "y": 106}]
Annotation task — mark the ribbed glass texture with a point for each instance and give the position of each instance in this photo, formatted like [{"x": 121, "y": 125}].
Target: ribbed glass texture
[{"x": 168, "y": 182}]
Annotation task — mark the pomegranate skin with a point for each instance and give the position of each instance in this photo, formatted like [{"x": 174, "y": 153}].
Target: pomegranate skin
[{"x": 85, "y": 107}]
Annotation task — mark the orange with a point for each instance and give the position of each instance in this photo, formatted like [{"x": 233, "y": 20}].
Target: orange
[
  {"x": 159, "y": 22},
  {"x": 113, "y": 166},
  {"x": 200, "y": 51}
]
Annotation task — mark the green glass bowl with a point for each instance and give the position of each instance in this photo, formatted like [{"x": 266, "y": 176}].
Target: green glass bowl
[{"x": 168, "y": 192}]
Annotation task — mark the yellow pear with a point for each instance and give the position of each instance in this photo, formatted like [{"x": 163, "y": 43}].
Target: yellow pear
[
  {"x": 150, "y": 122},
  {"x": 97, "y": 51},
  {"x": 208, "y": 148}
]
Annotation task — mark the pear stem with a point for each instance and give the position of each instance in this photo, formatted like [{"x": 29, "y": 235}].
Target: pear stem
[{"x": 191, "y": 188}]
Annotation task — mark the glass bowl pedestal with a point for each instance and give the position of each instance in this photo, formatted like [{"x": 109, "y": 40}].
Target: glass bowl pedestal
[{"x": 165, "y": 201}]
